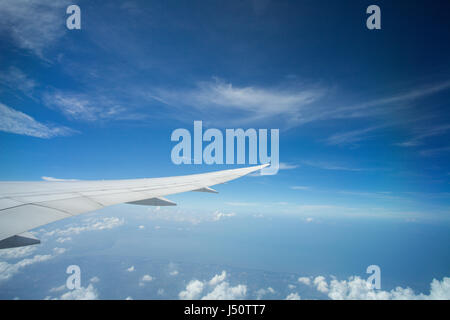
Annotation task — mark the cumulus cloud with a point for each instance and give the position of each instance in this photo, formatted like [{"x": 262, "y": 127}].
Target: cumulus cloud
[
  {"x": 218, "y": 278},
  {"x": 145, "y": 279},
  {"x": 304, "y": 280},
  {"x": 321, "y": 284},
  {"x": 356, "y": 288},
  {"x": 293, "y": 296},
  {"x": 223, "y": 291},
  {"x": 17, "y": 122},
  {"x": 88, "y": 293},
  {"x": 218, "y": 288},
  {"x": 193, "y": 290}
]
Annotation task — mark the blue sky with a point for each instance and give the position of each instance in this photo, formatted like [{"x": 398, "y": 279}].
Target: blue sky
[{"x": 363, "y": 115}]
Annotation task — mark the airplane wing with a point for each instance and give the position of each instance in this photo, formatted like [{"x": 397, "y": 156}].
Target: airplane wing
[{"x": 28, "y": 205}]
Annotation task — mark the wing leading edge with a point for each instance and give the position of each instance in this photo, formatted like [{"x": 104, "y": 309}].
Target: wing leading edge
[{"x": 28, "y": 205}]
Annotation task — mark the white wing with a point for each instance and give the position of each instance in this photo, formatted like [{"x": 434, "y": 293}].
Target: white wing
[{"x": 28, "y": 205}]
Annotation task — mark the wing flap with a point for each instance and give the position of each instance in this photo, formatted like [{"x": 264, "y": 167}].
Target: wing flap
[{"x": 20, "y": 240}]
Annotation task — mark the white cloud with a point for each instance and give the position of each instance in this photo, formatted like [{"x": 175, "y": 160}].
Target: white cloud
[
  {"x": 89, "y": 108},
  {"x": 220, "y": 215},
  {"x": 330, "y": 166},
  {"x": 15, "y": 79},
  {"x": 223, "y": 291},
  {"x": 94, "y": 279},
  {"x": 287, "y": 166},
  {"x": 218, "y": 278},
  {"x": 356, "y": 288},
  {"x": 33, "y": 24},
  {"x": 141, "y": 227},
  {"x": 15, "y": 253},
  {"x": 88, "y": 293},
  {"x": 252, "y": 103},
  {"x": 8, "y": 270},
  {"x": 128, "y": 298},
  {"x": 321, "y": 284},
  {"x": 377, "y": 107},
  {"x": 218, "y": 288},
  {"x": 291, "y": 105},
  {"x": 63, "y": 239},
  {"x": 59, "y": 250},
  {"x": 173, "y": 269},
  {"x": 181, "y": 215},
  {"x": 304, "y": 280},
  {"x": 422, "y": 133},
  {"x": 58, "y": 289},
  {"x": 17, "y": 122},
  {"x": 130, "y": 269},
  {"x": 351, "y": 137},
  {"x": 146, "y": 278},
  {"x": 293, "y": 296},
  {"x": 89, "y": 224},
  {"x": 193, "y": 290}
]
